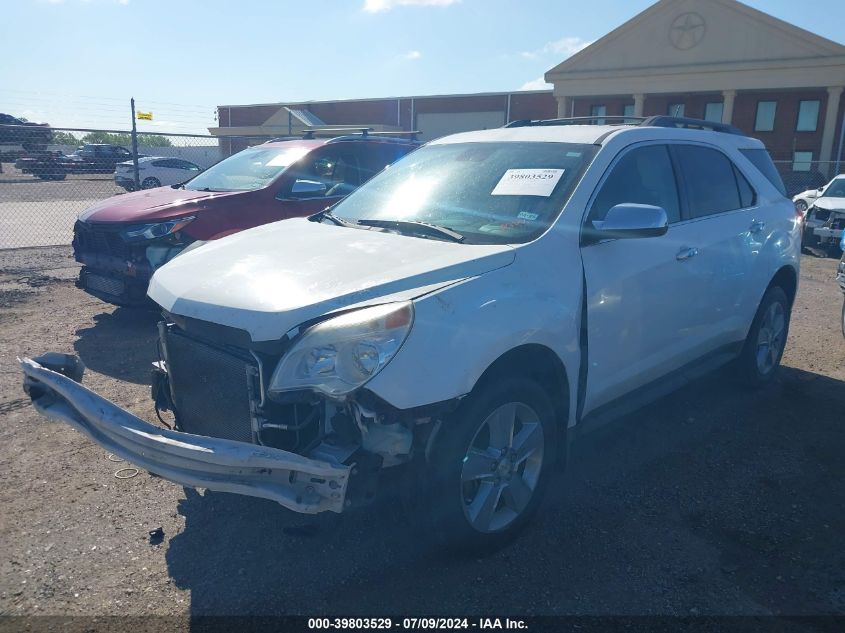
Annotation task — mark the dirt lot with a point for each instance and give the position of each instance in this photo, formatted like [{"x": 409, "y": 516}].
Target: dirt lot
[{"x": 710, "y": 501}]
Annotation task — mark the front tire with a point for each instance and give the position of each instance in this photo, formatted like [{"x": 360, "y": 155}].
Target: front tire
[
  {"x": 150, "y": 183},
  {"x": 491, "y": 466},
  {"x": 763, "y": 349}
]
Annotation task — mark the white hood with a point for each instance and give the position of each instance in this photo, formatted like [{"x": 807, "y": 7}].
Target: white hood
[
  {"x": 830, "y": 203},
  {"x": 269, "y": 279}
]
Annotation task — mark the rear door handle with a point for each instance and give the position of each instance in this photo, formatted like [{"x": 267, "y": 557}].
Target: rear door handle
[
  {"x": 757, "y": 226},
  {"x": 686, "y": 253}
]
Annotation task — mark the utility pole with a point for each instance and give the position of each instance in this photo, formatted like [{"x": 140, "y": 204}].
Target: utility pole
[{"x": 135, "y": 147}]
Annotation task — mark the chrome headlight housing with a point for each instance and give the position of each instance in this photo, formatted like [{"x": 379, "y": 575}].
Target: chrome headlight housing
[
  {"x": 156, "y": 229},
  {"x": 341, "y": 354}
]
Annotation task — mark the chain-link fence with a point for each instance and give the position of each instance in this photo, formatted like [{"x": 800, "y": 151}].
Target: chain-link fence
[
  {"x": 49, "y": 175},
  {"x": 800, "y": 175}
]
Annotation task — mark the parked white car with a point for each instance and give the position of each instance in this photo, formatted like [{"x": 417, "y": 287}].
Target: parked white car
[
  {"x": 464, "y": 315},
  {"x": 824, "y": 221},
  {"x": 805, "y": 199},
  {"x": 155, "y": 171}
]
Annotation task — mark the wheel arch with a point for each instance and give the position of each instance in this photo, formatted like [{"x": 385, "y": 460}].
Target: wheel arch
[
  {"x": 540, "y": 363},
  {"x": 786, "y": 278}
]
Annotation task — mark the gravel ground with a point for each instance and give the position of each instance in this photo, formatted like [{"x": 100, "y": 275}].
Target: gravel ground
[
  {"x": 710, "y": 501},
  {"x": 36, "y": 212}
]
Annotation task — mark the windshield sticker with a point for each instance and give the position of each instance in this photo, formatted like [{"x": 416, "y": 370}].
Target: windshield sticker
[
  {"x": 528, "y": 182},
  {"x": 524, "y": 215}
]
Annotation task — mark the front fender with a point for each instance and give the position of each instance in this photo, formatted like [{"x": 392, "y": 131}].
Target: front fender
[{"x": 461, "y": 330}]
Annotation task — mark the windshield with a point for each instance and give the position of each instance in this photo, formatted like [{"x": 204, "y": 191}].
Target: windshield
[
  {"x": 836, "y": 189},
  {"x": 500, "y": 193},
  {"x": 250, "y": 169}
]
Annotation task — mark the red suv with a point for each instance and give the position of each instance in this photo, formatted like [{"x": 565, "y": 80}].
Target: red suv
[{"x": 123, "y": 240}]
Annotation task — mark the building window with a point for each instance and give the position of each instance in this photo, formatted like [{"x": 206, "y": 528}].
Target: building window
[
  {"x": 597, "y": 112},
  {"x": 628, "y": 111},
  {"x": 713, "y": 111},
  {"x": 765, "y": 121},
  {"x": 675, "y": 109},
  {"x": 808, "y": 116},
  {"x": 802, "y": 161}
]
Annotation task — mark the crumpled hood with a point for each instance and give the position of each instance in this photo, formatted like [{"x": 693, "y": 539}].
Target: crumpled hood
[
  {"x": 830, "y": 203},
  {"x": 149, "y": 204},
  {"x": 269, "y": 279}
]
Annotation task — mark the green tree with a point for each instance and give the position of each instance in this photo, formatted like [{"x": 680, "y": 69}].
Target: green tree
[
  {"x": 125, "y": 140},
  {"x": 108, "y": 137},
  {"x": 64, "y": 138},
  {"x": 154, "y": 140}
]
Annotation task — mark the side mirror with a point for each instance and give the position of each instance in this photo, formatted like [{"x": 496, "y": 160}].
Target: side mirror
[
  {"x": 307, "y": 189},
  {"x": 629, "y": 220}
]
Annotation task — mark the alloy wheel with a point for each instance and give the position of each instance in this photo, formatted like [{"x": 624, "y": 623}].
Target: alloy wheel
[
  {"x": 771, "y": 337},
  {"x": 502, "y": 467}
]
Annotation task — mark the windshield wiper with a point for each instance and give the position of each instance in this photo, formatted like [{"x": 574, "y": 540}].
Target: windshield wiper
[
  {"x": 326, "y": 214},
  {"x": 419, "y": 228}
]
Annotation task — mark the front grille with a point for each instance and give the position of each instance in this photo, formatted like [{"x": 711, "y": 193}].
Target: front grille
[
  {"x": 106, "y": 285},
  {"x": 90, "y": 238},
  {"x": 210, "y": 388},
  {"x": 838, "y": 224}
]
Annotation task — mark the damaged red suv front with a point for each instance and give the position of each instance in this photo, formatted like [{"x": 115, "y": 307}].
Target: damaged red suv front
[{"x": 123, "y": 240}]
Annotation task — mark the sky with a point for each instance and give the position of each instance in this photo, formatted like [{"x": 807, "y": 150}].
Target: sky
[{"x": 78, "y": 62}]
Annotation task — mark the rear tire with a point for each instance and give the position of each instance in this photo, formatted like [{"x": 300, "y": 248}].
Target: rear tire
[
  {"x": 150, "y": 183},
  {"x": 490, "y": 466},
  {"x": 761, "y": 354}
]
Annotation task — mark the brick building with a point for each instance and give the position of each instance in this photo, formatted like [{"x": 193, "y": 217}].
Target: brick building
[{"x": 713, "y": 59}]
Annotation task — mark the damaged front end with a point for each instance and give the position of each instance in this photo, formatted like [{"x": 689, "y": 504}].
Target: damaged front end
[
  {"x": 118, "y": 261},
  {"x": 235, "y": 429}
]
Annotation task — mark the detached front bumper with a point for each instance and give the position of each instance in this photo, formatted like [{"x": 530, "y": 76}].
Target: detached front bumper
[{"x": 296, "y": 482}]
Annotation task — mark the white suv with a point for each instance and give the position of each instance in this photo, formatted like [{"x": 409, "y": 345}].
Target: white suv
[{"x": 460, "y": 319}]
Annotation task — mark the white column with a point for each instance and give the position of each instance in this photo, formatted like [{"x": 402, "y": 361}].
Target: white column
[
  {"x": 728, "y": 97},
  {"x": 564, "y": 107},
  {"x": 829, "y": 130},
  {"x": 639, "y": 104}
]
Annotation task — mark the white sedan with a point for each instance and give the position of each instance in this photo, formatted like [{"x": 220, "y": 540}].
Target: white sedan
[{"x": 155, "y": 171}]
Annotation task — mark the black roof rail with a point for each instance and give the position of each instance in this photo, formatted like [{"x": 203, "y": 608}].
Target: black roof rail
[
  {"x": 386, "y": 137},
  {"x": 691, "y": 124},
  {"x": 578, "y": 120}
]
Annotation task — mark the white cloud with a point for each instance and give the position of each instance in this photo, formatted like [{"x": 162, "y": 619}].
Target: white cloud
[
  {"x": 412, "y": 55},
  {"x": 375, "y": 6},
  {"x": 562, "y": 48},
  {"x": 535, "y": 84}
]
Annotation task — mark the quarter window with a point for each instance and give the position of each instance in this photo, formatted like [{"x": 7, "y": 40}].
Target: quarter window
[
  {"x": 710, "y": 179},
  {"x": 808, "y": 116},
  {"x": 765, "y": 120},
  {"x": 642, "y": 176}
]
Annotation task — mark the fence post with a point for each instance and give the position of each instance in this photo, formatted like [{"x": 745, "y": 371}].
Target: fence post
[{"x": 135, "y": 147}]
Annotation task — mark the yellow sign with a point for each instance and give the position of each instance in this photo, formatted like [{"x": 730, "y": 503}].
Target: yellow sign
[{"x": 144, "y": 116}]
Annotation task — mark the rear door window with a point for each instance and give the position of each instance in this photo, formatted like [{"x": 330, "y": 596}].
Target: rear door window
[{"x": 709, "y": 179}]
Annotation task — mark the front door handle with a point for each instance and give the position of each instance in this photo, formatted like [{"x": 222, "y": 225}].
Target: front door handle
[
  {"x": 757, "y": 226},
  {"x": 686, "y": 253}
]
